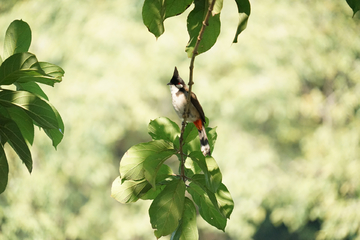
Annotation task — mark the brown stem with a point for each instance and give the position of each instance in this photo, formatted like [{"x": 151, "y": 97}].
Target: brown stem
[{"x": 191, "y": 82}]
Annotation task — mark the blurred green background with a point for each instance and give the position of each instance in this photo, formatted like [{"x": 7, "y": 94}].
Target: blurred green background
[{"x": 285, "y": 100}]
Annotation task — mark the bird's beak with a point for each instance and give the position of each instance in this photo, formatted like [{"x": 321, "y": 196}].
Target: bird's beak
[{"x": 169, "y": 83}]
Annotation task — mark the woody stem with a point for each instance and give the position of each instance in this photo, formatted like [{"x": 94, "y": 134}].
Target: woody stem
[{"x": 191, "y": 82}]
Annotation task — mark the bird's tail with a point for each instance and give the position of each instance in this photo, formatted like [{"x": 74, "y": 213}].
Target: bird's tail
[{"x": 204, "y": 142}]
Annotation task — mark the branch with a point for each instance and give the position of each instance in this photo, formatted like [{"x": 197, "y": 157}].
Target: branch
[{"x": 191, "y": 82}]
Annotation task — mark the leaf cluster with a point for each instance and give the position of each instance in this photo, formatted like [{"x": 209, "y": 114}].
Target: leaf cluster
[
  {"x": 155, "y": 12},
  {"x": 26, "y": 106},
  {"x": 144, "y": 175}
]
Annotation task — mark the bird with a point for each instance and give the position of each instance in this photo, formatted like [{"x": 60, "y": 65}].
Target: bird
[{"x": 179, "y": 92}]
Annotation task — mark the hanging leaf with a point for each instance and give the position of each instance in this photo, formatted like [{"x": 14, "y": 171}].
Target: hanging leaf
[
  {"x": 167, "y": 208},
  {"x": 163, "y": 128},
  {"x": 10, "y": 130},
  {"x": 154, "y": 13},
  {"x": 4, "y": 169},
  {"x": 187, "y": 229},
  {"x": 244, "y": 13},
  {"x": 38, "y": 109},
  {"x": 355, "y": 5},
  {"x": 194, "y": 24}
]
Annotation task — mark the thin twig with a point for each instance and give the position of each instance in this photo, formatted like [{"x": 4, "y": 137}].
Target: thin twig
[{"x": 205, "y": 23}]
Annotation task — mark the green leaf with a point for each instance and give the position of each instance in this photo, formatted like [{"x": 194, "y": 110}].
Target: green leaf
[
  {"x": 56, "y": 134},
  {"x": 22, "y": 120},
  {"x": 354, "y": 4},
  {"x": 225, "y": 201},
  {"x": 128, "y": 191},
  {"x": 52, "y": 70},
  {"x": 153, "y": 163},
  {"x": 187, "y": 229},
  {"x": 207, "y": 203},
  {"x": 244, "y": 13},
  {"x": 4, "y": 169},
  {"x": 32, "y": 87},
  {"x": 163, "y": 128},
  {"x": 217, "y": 7},
  {"x": 210, "y": 169},
  {"x": 37, "y": 108},
  {"x": 52, "y": 74},
  {"x": 10, "y": 130},
  {"x": 194, "y": 24},
  {"x": 191, "y": 139},
  {"x": 164, "y": 175},
  {"x": 154, "y": 13},
  {"x": 17, "y": 38},
  {"x": 20, "y": 65},
  {"x": 131, "y": 164},
  {"x": 167, "y": 208}
]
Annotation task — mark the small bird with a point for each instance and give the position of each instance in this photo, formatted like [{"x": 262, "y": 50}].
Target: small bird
[{"x": 179, "y": 92}]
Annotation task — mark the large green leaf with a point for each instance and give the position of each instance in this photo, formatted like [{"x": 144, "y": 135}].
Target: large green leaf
[
  {"x": 355, "y": 5},
  {"x": 210, "y": 169},
  {"x": 131, "y": 164},
  {"x": 167, "y": 208},
  {"x": 207, "y": 203},
  {"x": 244, "y": 13},
  {"x": 163, "y": 128},
  {"x": 17, "y": 38},
  {"x": 20, "y": 65},
  {"x": 154, "y": 13},
  {"x": 22, "y": 120},
  {"x": 194, "y": 24},
  {"x": 11, "y": 131},
  {"x": 153, "y": 163},
  {"x": 37, "y": 108},
  {"x": 225, "y": 201},
  {"x": 187, "y": 229},
  {"x": 56, "y": 134},
  {"x": 32, "y": 87},
  {"x": 128, "y": 191},
  {"x": 4, "y": 169}
]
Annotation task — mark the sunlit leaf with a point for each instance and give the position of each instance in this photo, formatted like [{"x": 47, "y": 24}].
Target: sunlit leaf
[
  {"x": 163, "y": 128},
  {"x": 4, "y": 169},
  {"x": 153, "y": 163},
  {"x": 167, "y": 208},
  {"x": 20, "y": 65},
  {"x": 56, "y": 134},
  {"x": 207, "y": 203},
  {"x": 187, "y": 229},
  {"x": 129, "y": 190},
  {"x": 16, "y": 140},
  {"x": 217, "y": 7},
  {"x": 194, "y": 24},
  {"x": 131, "y": 164},
  {"x": 225, "y": 201},
  {"x": 37, "y": 108},
  {"x": 244, "y": 13},
  {"x": 164, "y": 175},
  {"x": 17, "y": 38},
  {"x": 210, "y": 169}
]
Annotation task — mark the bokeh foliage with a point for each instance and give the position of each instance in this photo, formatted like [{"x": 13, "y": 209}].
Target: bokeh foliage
[{"x": 285, "y": 100}]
